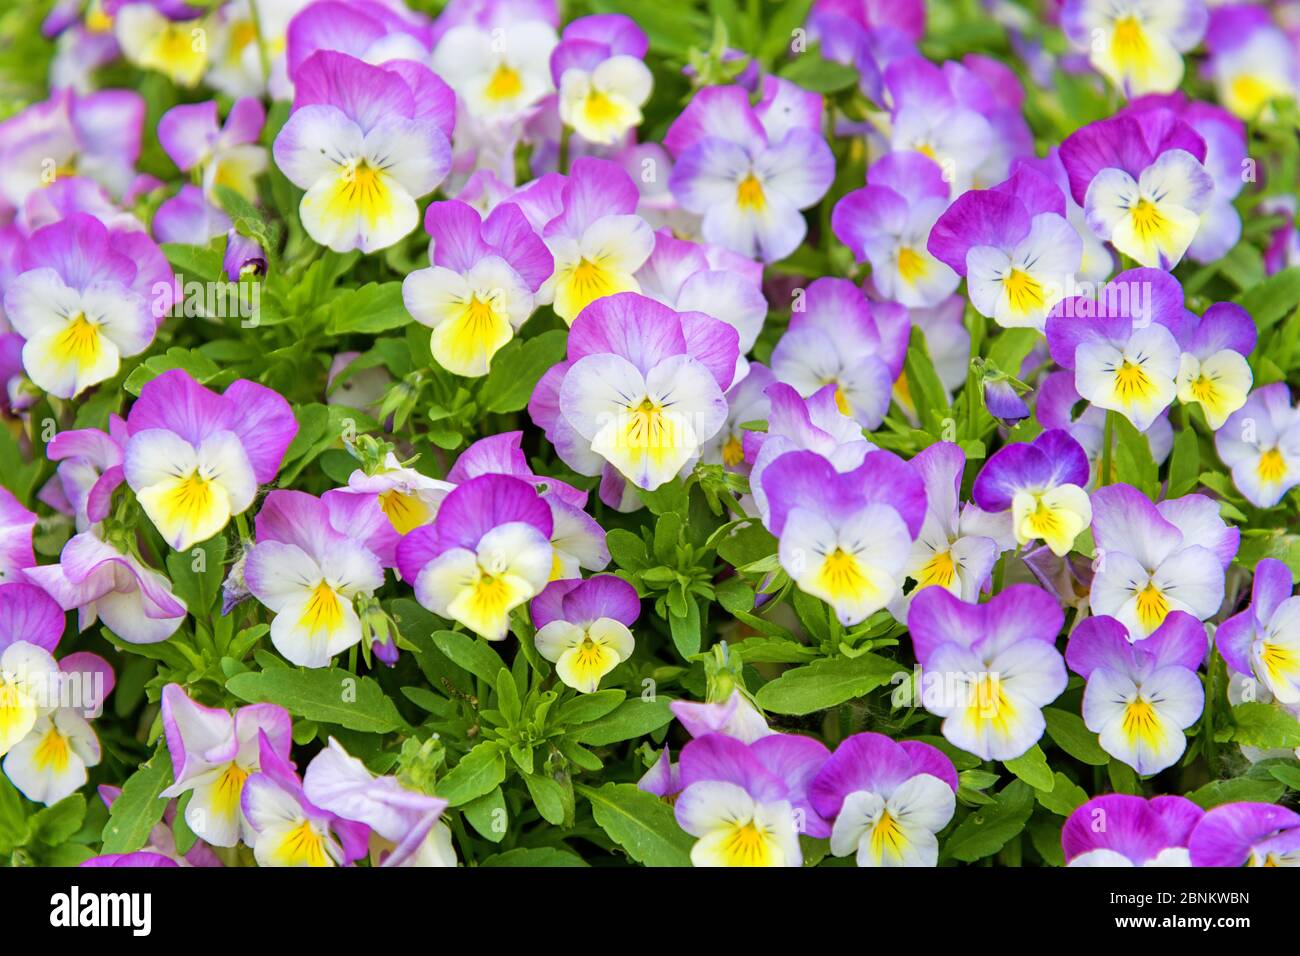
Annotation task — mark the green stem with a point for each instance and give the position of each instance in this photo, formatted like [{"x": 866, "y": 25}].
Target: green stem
[
  {"x": 262, "y": 55},
  {"x": 1107, "y": 450},
  {"x": 563, "y": 161}
]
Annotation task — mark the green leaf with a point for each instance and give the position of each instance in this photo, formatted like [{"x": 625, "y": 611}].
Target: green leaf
[
  {"x": 1265, "y": 726},
  {"x": 686, "y": 629},
  {"x": 549, "y": 798},
  {"x": 517, "y": 367},
  {"x": 534, "y": 856},
  {"x": 1133, "y": 462},
  {"x": 478, "y": 772},
  {"x": 1073, "y": 736},
  {"x": 1032, "y": 768},
  {"x": 928, "y": 393},
  {"x": 811, "y": 71},
  {"x": 507, "y": 696},
  {"x": 471, "y": 653},
  {"x": 1184, "y": 464},
  {"x": 487, "y": 814},
  {"x": 140, "y": 805},
  {"x": 988, "y": 829},
  {"x": 642, "y": 824},
  {"x": 1268, "y": 301},
  {"x": 54, "y": 825},
  {"x": 1064, "y": 798},
  {"x": 632, "y": 718},
  {"x": 328, "y": 695},
  {"x": 825, "y": 683},
  {"x": 1236, "y": 790},
  {"x": 375, "y": 307},
  {"x": 14, "y": 827},
  {"x": 197, "y": 574},
  {"x": 588, "y": 707}
]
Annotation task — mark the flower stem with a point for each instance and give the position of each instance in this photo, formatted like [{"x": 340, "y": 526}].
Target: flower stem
[{"x": 1107, "y": 449}]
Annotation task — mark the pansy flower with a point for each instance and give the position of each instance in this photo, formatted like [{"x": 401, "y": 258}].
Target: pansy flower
[
  {"x": 81, "y": 304},
  {"x": 1013, "y": 245},
  {"x": 691, "y": 277},
  {"x": 642, "y": 389},
  {"x": 888, "y": 223},
  {"x": 1263, "y": 641},
  {"x": 1260, "y": 444},
  {"x": 286, "y": 828},
  {"x": 958, "y": 544},
  {"x": 480, "y": 287},
  {"x": 583, "y": 628},
  {"x": 408, "y": 497},
  {"x": 1157, "y": 558},
  {"x": 51, "y": 762},
  {"x": 405, "y": 829},
  {"x": 989, "y": 669},
  {"x": 1252, "y": 60},
  {"x": 1141, "y": 696},
  {"x": 486, "y": 553},
  {"x": 153, "y": 39},
  {"x": 747, "y": 401},
  {"x": 195, "y": 458},
  {"x": 749, "y": 173},
  {"x": 89, "y": 471},
  {"x": 102, "y": 583},
  {"x": 1246, "y": 834},
  {"x": 887, "y": 799},
  {"x": 1140, "y": 180},
  {"x": 227, "y": 155},
  {"x": 30, "y": 627},
  {"x": 597, "y": 239},
  {"x": 794, "y": 423},
  {"x": 736, "y": 716},
  {"x": 213, "y": 753},
  {"x": 845, "y": 538},
  {"x": 308, "y": 564},
  {"x": 1042, "y": 483},
  {"x": 499, "y": 70},
  {"x": 602, "y": 82},
  {"x": 365, "y": 142},
  {"x": 371, "y": 30},
  {"x": 742, "y": 801},
  {"x": 235, "y": 65},
  {"x": 1136, "y": 44},
  {"x": 577, "y": 540},
  {"x": 836, "y": 337},
  {"x": 1122, "y": 830},
  {"x": 1123, "y": 347},
  {"x": 1213, "y": 371},
  {"x": 16, "y": 524}
]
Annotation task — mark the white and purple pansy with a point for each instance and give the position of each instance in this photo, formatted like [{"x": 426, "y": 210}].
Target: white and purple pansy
[
  {"x": 1263, "y": 641},
  {"x": 1212, "y": 371},
  {"x": 1136, "y": 44},
  {"x": 1246, "y": 834},
  {"x": 603, "y": 83},
  {"x": 583, "y": 627},
  {"x": 1260, "y": 444},
  {"x": 1123, "y": 830}
]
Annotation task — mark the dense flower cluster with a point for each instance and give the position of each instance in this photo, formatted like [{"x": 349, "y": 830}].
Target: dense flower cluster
[{"x": 469, "y": 434}]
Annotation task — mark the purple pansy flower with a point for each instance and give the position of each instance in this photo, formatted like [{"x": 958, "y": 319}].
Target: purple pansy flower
[
  {"x": 1136, "y": 44},
  {"x": 750, "y": 171},
  {"x": 487, "y": 552},
  {"x": 195, "y": 458},
  {"x": 1014, "y": 245},
  {"x": 1263, "y": 641},
  {"x": 1122, "y": 830},
  {"x": 16, "y": 524},
  {"x": 1042, "y": 484},
  {"x": 990, "y": 669},
  {"x": 497, "y": 58},
  {"x": 213, "y": 753},
  {"x": 1246, "y": 834},
  {"x": 1252, "y": 61},
  {"x": 601, "y": 80},
  {"x": 1213, "y": 371},
  {"x": 226, "y": 155},
  {"x": 747, "y": 401},
  {"x": 1260, "y": 444},
  {"x": 1123, "y": 347},
  {"x": 836, "y": 337},
  {"x": 845, "y": 538},
  {"x": 365, "y": 142},
  {"x": 888, "y": 223},
  {"x": 735, "y": 717},
  {"x": 1140, "y": 180},
  {"x": 312, "y": 558},
  {"x": 1141, "y": 696},
  {"x": 888, "y": 799},
  {"x": 481, "y": 285},
  {"x": 90, "y": 469},
  {"x": 1157, "y": 558},
  {"x": 583, "y": 628}
]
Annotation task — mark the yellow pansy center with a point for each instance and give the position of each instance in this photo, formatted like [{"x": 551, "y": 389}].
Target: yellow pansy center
[
  {"x": 990, "y": 699},
  {"x": 1148, "y": 222},
  {"x": 747, "y": 845},
  {"x": 360, "y": 189},
  {"x": 1271, "y": 466},
  {"x": 600, "y": 109},
  {"x": 649, "y": 429},
  {"x": 53, "y": 752},
  {"x": 733, "y": 451},
  {"x": 404, "y": 511},
  {"x": 1128, "y": 42},
  {"x": 1152, "y": 607},
  {"x": 1132, "y": 382},
  {"x": 303, "y": 846},
  {"x": 188, "y": 501},
  {"x": 749, "y": 194},
  {"x": 1024, "y": 292},
  {"x": 79, "y": 342},
  {"x": 504, "y": 84},
  {"x": 841, "y": 575},
  {"x": 229, "y": 788},
  {"x": 1279, "y": 661},
  {"x": 911, "y": 264},
  {"x": 324, "y": 611},
  {"x": 1140, "y": 721},
  {"x": 887, "y": 837},
  {"x": 590, "y": 281},
  {"x": 940, "y": 570}
]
